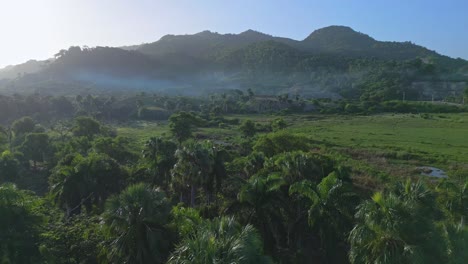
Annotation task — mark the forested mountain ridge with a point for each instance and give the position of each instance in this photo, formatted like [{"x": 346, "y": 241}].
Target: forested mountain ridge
[
  {"x": 333, "y": 39},
  {"x": 332, "y": 60}
]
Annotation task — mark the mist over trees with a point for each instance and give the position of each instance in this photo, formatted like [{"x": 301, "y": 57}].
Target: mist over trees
[
  {"x": 208, "y": 148},
  {"x": 333, "y": 62}
]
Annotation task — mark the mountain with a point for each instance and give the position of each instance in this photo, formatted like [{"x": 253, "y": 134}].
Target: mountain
[
  {"x": 344, "y": 40},
  {"x": 332, "y": 39},
  {"x": 338, "y": 39},
  {"x": 205, "y": 44},
  {"x": 15, "y": 71},
  {"x": 333, "y": 60}
]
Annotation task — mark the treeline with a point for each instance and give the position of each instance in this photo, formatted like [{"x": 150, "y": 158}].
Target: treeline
[
  {"x": 83, "y": 194},
  {"x": 50, "y": 109}
]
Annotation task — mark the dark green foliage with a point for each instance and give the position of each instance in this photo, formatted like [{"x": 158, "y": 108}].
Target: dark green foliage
[
  {"x": 78, "y": 181},
  {"x": 279, "y": 142},
  {"x": 332, "y": 207},
  {"x": 182, "y": 125},
  {"x": 79, "y": 239},
  {"x": 86, "y": 127},
  {"x": 248, "y": 128},
  {"x": 457, "y": 242},
  {"x": 9, "y": 167},
  {"x": 20, "y": 225},
  {"x": 453, "y": 197},
  {"x": 23, "y": 126},
  {"x": 397, "y": 227},
  {"x": 116, "y": 148},
  {"x": 159, "y": 157},
  {"x": 276, "y": 197},
  {"x": 36, "y": 147},
  {"x": 136, "y": 223},
  {"x": 221, "y": 240},
  {"x": 198, "y": 165},
  {"x": 278, "y": 124},
  {"x": 185, "y": 220}
]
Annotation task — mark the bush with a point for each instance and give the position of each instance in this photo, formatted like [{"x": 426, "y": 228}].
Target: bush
[{"x": 279, "y": 142}]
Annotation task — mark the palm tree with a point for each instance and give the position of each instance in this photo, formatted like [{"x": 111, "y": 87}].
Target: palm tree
[
  {"x": 136, "y": 223},
  {"x": 262, "y": 200},
  {"x": 159, "y": 153},
  {"x": 298, "y": 165},
  {"x": 85, "y": 181},
  {"x": 456, "y": 236},
  {"x": 453, "y": 197},
  {"x": 332, "y": 202},
  {"x": 221, "y": 240},
  {"x": 198, "y": 165},
  {"x": 396, "y": 227},
  {"x": 279, "y": 211}
]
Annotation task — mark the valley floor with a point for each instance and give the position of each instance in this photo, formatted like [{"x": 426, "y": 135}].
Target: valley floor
[{"x": 376, "y": 146}]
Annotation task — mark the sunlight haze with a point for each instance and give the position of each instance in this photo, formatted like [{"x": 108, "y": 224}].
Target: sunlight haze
[{"x": 245, "y": 131}]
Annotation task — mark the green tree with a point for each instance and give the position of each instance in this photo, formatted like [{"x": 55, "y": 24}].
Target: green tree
[
  {"x": 21, "y": 222},
  {"x": 116, "y": 148},
  {"x": 85, "y": 181},
  {"x": 397, "y": 227},
  {"x": 248, "y": 128},
  {"x": 136, "y": 221},
  {"x": 331, "y": 212},
  {"x": 23, "y": 125},
  {"x": 262, "y": 202},
  {"x": 182, "y": 125},
  {"x": 278, "y": 124},
  {"x": 221, "y": 240},
  {"x": 281, "y": 215},
  {"x": 456, "y": 236},
  {"x": 75, "y": 240},
  {"x": 9, "y": 167},
  {"x": 453, "y": 198},
  {"x": 185, "y": 220},
  {"x": 86, "y": 126},
  {"x": 8, "y": 133},
  {"x": 159, "y": 155},
  {"x": 196, "y": 167},
  {"x": 36, "y": 147},
  {"x": 280, "y": 142}
]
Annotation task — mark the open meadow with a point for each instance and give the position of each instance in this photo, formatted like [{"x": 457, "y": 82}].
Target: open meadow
[{"x": 377, "y": 147}]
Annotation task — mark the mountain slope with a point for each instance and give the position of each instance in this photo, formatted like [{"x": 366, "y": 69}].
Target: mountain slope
[
  {"x": 335, "y": 59},
  {"x": 206, "y": 44},
  {"x": 15, "y": 71}
]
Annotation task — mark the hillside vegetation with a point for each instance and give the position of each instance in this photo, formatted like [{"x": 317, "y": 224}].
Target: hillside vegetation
[
  {"x": 332, "y": 62},
  {"x": 111, "y": 180}
]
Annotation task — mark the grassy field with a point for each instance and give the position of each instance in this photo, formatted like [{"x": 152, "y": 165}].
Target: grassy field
[
  {"x": 140, "y": 131},
  {"x": 444, "y": 136},
  {"x": 388, "y": 144}
]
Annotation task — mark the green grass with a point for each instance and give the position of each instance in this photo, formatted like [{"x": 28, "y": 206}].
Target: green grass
[
  {"x": 379, "y": 145},
  {"x": 443, "y": 135},
  {"x": 141, "y": 131},
  {"x": 439, "y": 136}
]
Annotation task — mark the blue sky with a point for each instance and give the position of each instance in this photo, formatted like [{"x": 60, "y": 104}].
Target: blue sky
[{"x": 33, "y": 29}]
